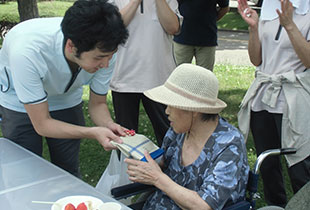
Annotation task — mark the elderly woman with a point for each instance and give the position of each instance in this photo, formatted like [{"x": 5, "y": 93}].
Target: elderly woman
[{"x": 205, "y": 161}]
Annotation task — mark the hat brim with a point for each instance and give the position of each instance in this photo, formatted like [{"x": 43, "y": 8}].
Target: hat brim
[{"x": 165, "y": 96}]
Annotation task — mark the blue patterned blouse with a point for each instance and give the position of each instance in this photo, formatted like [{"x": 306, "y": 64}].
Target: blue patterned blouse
[{"x": 219, "y": 174}]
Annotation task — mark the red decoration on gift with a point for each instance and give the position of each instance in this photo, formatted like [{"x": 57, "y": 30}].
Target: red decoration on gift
[{"x": 130, "y": 132}]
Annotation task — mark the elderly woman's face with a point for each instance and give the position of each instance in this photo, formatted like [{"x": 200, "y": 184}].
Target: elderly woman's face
[{"x": 180, "y": 120}]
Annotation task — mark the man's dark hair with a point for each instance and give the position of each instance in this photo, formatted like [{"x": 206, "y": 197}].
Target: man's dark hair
[
  {"x": 208, "y": 117},
  {"x": 94, "y": 23}
]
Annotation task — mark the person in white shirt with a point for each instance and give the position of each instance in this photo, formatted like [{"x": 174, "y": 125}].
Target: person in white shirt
[
  {"x": 145, "y": 61},
  {"x": 275, "y": 106}
]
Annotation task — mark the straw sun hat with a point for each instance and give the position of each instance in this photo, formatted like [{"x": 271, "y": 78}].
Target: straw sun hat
[{"x": 189, "y": 87}]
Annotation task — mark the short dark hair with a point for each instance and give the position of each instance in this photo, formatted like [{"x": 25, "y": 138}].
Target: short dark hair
[
  {"x": 208, "y": 117},
  {"x": 94, "y": 23}
]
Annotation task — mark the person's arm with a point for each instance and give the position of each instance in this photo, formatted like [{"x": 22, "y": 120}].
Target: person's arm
[
  {"x": 45, "y": 125},
  {"x": 100, "y": 115},
  {"x": 167, "y": 18},
  {"x": 300, "y": 44},
  {"x": 254, "y": 46},
  {"x": 221, "y": 12},
  {"x": 251, "y": 18},
  {"x": 151, "y": 173},
  {"x": 129, "y": 11}
]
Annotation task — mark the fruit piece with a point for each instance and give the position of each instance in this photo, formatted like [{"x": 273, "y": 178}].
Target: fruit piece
[
  {"x": 81, "y": 206},
  {"x": 70, "y": 206}
]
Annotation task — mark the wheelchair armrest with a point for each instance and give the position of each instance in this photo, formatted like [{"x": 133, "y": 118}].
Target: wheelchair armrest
[
  {"x": 129, "y": 190},
  {"x": 252, "y": 182}
]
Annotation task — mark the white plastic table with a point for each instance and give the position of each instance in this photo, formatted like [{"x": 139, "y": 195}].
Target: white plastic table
[{"x": 26, "y": 177}]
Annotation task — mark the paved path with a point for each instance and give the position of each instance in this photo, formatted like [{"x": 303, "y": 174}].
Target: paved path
[
  {"x": 232, "y": 45},
  {"x": 232, "y": 48},
  {"x": 233, "y": 5}
]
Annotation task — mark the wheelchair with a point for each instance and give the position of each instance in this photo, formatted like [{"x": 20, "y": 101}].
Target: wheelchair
[{"x": 248, "y": 203}]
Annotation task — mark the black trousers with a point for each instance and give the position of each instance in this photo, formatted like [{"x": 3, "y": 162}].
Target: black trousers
[
  {"x": 266, "y": 130},
  {"x": 64, "y": 153},
  {"x": 127, "y": 108}
]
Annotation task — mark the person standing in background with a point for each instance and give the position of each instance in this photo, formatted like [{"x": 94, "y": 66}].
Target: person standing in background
[
  {"x": 276, "y": 105},
  {"x": 198, "y": 37},
  {"x": 145, "y": 61}
]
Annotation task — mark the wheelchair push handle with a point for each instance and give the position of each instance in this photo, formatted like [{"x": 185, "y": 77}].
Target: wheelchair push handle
[
  {"x": 271, "y": 152},
  {"x": 287, "y": 151}
]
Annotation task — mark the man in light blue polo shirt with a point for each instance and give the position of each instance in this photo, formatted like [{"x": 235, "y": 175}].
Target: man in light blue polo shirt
[{"x": 44, "y": 64}]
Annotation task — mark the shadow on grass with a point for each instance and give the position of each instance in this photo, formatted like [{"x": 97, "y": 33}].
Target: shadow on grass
[{"x": 232, "y": 21}]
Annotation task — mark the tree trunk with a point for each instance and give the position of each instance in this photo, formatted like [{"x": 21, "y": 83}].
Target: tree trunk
[{"x": 27, "y": 9}]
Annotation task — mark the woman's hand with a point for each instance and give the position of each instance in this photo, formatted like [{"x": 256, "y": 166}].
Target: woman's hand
[
  {"x": 144, "y": 172},
  {"x": 249, "y": 15},
  {"x": 286, "y": 16}
]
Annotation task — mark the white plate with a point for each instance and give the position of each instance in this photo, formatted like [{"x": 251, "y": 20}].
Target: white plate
[
  {"x": 110, "y": 206},
  {"x": 76, "y": 200}
]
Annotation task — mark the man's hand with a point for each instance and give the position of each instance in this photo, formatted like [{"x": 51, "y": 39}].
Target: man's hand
[
  {"x": 104, "y": 136},
  {"x": 144, "y": 172},
  {"x": 117, "y": 129}
]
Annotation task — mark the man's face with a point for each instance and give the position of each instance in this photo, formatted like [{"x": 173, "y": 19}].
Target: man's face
[{"x": 93, "y": 60}]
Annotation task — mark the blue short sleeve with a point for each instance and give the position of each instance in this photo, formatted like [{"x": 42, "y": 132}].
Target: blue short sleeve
[
  {"x": 223, "y": 177},
  {"x": 27, "y": 79}
]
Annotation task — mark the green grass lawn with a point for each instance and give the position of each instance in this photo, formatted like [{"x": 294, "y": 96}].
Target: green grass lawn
[
  {"x": 232, "y": 21},
  {"x": 9, "y": 12}
]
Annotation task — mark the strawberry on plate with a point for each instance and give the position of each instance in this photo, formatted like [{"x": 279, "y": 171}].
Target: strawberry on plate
[
  {"x": 70, "y": 206},
  {"x": 81, "y": 206},
  {"x": 90, "y": 203}
]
